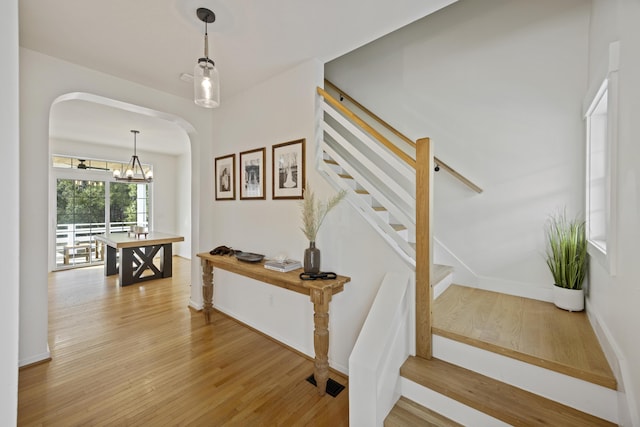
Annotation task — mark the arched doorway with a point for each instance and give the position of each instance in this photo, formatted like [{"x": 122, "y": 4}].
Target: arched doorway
[{"x": 96, "y": 130}]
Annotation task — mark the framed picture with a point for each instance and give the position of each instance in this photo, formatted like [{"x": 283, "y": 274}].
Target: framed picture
[
  {"x": 225, "y": 177},
  {"x": 288, "y": 170},
  {"x": 252, "y": 174}
]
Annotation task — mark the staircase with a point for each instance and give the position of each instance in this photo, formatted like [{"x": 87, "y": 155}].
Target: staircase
[
  {"x": 506, "y": 360},
  {"x": 483, "y": 371}
]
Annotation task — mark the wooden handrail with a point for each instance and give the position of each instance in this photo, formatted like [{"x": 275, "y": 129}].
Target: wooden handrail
[
  {"x": 442, "y": 165},
  {"x": 384, "y": 141},
  {"x": 371, "y": 114},
  {"x": 403, "y": 137}
]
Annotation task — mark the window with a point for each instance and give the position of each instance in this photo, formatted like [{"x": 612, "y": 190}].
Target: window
[
  {"x": 597, "y": 177},
  {"x": 89, "y": 202},
  {"x": 601, "y": 121}
]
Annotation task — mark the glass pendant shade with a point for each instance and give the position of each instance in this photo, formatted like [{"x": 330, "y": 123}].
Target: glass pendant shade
[{"x": 206, "y": 84}]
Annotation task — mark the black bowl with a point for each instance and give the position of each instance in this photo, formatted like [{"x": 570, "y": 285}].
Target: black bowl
[{"x": 249, "y": 257}]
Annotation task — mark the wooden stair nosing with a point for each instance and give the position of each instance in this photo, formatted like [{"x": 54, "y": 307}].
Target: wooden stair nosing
[
  {"x": 407, "y": 413},
  {"x": 524, "y": 357},
  {"x": 499, "y": 400},
  {"x": 398, "y": 227},
  {"x": 331, "y": 162}
]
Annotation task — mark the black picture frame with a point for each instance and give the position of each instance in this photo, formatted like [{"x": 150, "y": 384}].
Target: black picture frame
[
  {"x": 288, "y": 169},
  {"x": 252, "y": 174}
]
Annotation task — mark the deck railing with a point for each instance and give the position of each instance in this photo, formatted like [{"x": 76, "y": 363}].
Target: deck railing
[{"x": 75, "y": 242}]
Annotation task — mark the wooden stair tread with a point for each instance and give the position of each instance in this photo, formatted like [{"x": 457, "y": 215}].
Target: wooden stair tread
[
  {"x": 361, "y": 191},
  {"x": 398, "y": 227},
  {"x": 379, "y": 209},
  {"x": 345, "y": 176},
  {"x": 532, "y": 331},
  {"x": 499, "y": 400},
  {"x": 330, "y": 162},
  {"x": 439, "y": 272},
  {"x": 407, "y": 413}
]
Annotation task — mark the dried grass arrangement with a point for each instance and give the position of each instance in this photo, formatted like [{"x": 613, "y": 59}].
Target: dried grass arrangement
[{"x": 314, "y": 211}]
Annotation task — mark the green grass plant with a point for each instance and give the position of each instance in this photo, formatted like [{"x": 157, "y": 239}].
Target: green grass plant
[{"x": 566, "y": 253}]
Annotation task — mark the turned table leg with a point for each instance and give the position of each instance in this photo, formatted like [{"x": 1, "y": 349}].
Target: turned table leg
[
  {"x": 207, "y": 289},
  {"x": 321, "y": 299}
]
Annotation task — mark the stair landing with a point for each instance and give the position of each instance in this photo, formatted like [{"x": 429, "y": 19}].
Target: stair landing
[{"x": 532, "y": 331}]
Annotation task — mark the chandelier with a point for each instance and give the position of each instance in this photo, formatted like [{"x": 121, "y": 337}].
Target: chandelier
[
  {"x": 206, "y": 81},
  {"x": 134, "y": 172}
]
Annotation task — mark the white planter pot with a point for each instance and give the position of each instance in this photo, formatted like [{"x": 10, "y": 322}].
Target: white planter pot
[{"x": 568, "y": 299}]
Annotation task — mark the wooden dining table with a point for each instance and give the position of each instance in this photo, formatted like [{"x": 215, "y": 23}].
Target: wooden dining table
[{"x": 136, "y": 254}]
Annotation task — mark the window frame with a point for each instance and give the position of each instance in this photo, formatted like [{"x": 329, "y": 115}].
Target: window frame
[{"x": 605, "y": 254}]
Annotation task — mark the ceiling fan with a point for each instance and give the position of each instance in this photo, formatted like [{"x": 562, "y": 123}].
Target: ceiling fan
[{"x": 83, "y": 165}]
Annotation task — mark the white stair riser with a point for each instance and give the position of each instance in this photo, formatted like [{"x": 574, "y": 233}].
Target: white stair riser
[
  {"x": 442, "y": 285},
  {"x": 581, "y": 395},
  {"x": 367, "y": 198},
  {"x": 446, "y": 406},
  {"x": 336, "y": 168},
  {"x": 351, "y": 183},
  {"x": 384, "y": 215}
]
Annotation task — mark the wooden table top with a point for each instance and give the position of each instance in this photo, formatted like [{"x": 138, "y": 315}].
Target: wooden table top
[
  {"x": 289, "y": 280},
  {"x": 122, "y": 240}
]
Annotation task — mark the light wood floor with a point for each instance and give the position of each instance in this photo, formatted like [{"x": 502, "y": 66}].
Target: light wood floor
[
  {"x": 138, "y": 356},
  {"x": 532, "y": 331}
]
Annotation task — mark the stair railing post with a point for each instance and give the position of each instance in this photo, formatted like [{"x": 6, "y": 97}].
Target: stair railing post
[{"x": 424, "y": 246}]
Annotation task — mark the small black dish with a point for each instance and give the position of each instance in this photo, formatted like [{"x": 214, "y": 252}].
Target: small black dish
[{"x": 249, "y": 257}]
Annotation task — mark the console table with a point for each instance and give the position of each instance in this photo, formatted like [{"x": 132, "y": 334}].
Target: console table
[
  {"x": 320, "y": 292},
  {"x": 136, "y": 256}
]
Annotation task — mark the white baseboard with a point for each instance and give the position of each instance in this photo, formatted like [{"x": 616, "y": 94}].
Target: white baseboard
[
  {"x": 35, "y": 359},
  {"x": 196, "y": 306},
  {"x": 628, "y": 411}
]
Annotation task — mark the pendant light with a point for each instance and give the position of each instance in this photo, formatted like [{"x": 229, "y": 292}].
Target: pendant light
[
  {"x": 134, "y": 172},
  {"x": 206, "y": 81}
]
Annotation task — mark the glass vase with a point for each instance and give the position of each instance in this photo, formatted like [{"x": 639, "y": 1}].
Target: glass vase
[{"x": 312, "y": 259}]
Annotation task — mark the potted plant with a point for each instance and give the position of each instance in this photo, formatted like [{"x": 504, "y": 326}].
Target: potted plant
[
  {"x": 566, "y": 257},
  {"x": 313, "y": 213}
]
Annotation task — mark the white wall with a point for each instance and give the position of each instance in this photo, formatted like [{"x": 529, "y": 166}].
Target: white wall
[
  {"x": 279, "y": 110},
  {"x": 613, "y": 301},
  {"x": 36, "y": 98},
  {"x": 183, "y": 206},
  {"x": 9, "y": 215},
  {"x": 497, "y": 85}
]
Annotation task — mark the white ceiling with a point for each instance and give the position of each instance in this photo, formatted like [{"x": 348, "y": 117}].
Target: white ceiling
[
  {"x": 85, "y": 121},
  {"x": 153, "y": 41}
]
